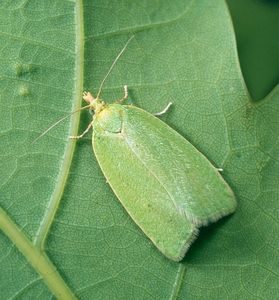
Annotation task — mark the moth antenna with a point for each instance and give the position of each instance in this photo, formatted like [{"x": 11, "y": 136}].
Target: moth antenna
[
  {"x": 59, "y": 121},
  {"x": 112, "y": 66},
  {"x": 99, "y": 92}
]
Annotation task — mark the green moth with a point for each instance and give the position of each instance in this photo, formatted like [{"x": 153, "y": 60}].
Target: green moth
[{"x": 166, "y": 185}]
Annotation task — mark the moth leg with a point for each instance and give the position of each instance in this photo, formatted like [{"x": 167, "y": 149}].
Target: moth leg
[
  {"x": 84, "y": 132},
  {"x": 125, "y": 97},
  {"x": 164, "y": 110}
]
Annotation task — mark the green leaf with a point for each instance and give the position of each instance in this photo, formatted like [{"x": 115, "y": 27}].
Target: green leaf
[
  {"x": 257, "y": 44},
  {"x": 63, "y": 232}
]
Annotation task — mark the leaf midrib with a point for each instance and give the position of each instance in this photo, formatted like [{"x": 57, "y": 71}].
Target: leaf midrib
[
  {"x": 37, "y": 258},
  {"x": 57, "y": 194},
  {"x": 34, "y": 251}
]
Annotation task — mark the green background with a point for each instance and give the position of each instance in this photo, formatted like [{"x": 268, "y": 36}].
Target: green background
[{"x": 53, "y": 196}]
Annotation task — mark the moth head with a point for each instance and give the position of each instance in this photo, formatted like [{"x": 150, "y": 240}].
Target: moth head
[{"x": 94, "y": 104}]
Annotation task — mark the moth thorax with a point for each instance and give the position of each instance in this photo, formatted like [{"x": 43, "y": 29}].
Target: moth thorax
[{"x": 110, "y": 118}]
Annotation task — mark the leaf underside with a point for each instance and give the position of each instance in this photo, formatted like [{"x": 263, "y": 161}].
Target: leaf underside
[{"x": 63, "y": 232}]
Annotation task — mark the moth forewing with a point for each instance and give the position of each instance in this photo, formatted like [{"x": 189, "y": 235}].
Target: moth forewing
[{"x": 166, "y": 185}]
